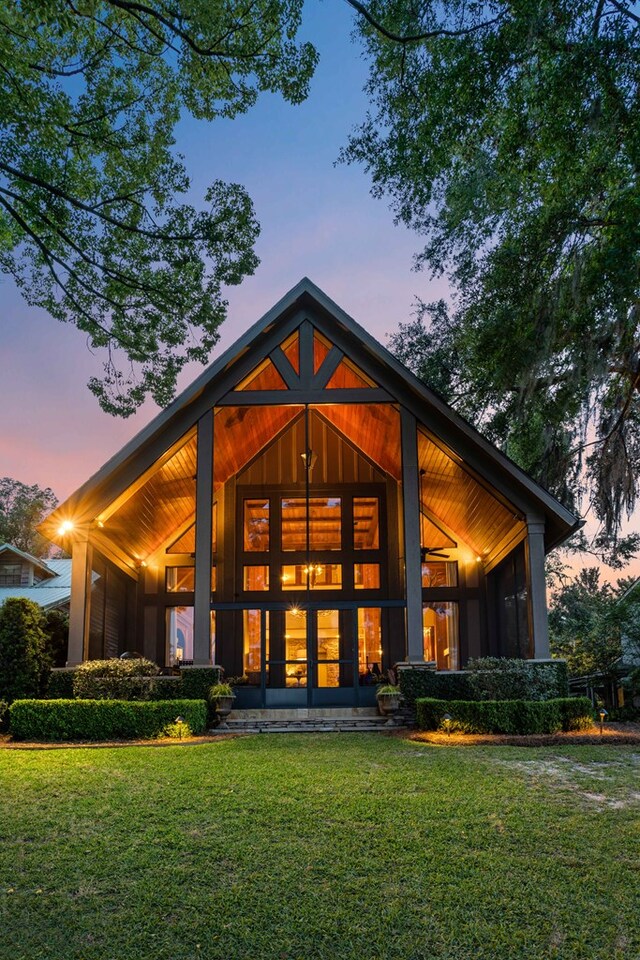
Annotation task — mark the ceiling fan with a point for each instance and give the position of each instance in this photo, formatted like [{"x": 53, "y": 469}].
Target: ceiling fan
[{"x": 426, "y": 553}]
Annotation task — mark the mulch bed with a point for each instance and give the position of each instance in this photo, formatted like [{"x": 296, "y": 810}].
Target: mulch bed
[
  {"x": 7, "y": 743},
  {"x": 613, "y": 734}
]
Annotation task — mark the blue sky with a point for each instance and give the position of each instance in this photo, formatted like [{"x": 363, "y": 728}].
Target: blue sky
[{"x": 317, "y": 219}]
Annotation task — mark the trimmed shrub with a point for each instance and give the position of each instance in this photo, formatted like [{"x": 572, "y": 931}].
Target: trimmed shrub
[
  {"x": 62, "y": 720},
  {"x": 115, "y": 680},
  {"x": 24, "y": 663},
  {"x": 439, "y": 685},
  {"x": 4, "y": 715},
  {"x": 60, "y": 685},
  {"x": 501, "y": 678},
  {"x": 506, "y": 716},
  {"x": 197, "y": 681},
  {"x": 577, "y": 713},
  {"x": 169, "y": 688}
]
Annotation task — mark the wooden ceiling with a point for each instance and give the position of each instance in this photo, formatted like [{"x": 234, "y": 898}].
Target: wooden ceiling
[
  {"x": 164, "y": 504},
  {"x": 455, "y": 498}
]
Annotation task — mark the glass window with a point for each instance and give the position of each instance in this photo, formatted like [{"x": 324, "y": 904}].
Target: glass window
[
  {"x": 180, "y": 635},
  {"x": 180, "y": 579},
  {"x": 214, "y": 528},
  {"x": 186, "y": 543},
  {"x": 252, "y": 643},
  {"x": 264, "y": 377},
  {"x": 321, "y": 576},
  {"x": 256, "y": 526},
  {"x": 439, "y": 573},
  {"x": 255, "y": 578},
  {"x": 325, "y": 523},
  {"x": 321, "y": 347},
  {"x": 366, "y": 530},
  {"x": 291, "y": 350},
  {"x": 214, "y": 579},
  {"x": 295, "y": 641},
  {"x": 10, "y": 574},
  {"x": 369, "y": 645},
  {"x": 328, "y": 648},
  {"x": 440, "y": 634},
  {"x": 366, "y": 576}
]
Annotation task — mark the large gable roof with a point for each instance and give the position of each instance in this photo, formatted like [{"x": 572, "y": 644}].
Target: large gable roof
[{"x": 307, "y": 301}]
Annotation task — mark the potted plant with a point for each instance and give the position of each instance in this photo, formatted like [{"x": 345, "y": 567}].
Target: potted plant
[
  {"x": 388, "y": 697},
  {"x": 221, "y": 696}
]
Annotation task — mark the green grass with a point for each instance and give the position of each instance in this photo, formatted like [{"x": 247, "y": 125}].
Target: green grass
[{"x": 319, "y": 846}]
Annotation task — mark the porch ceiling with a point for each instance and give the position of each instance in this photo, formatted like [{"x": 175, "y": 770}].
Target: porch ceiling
[
  {"x": 164, "y": 504},
  {"x": 460, "y": 502}
]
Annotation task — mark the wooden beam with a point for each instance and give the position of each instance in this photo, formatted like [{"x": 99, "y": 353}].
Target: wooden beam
[
  {"x": 504, "y": 548},
  {"x": 284, "y": 367},
  {"x": 263, "y": 398},
  {"x": 536, "y": 589},
  {"x": 327, "y": 369},
  {"x": 204, "y": 530},
  {"x": 411, "y": 514},
  {"x": 79, "y": 610},
  {"x": 306, "y": 354}
]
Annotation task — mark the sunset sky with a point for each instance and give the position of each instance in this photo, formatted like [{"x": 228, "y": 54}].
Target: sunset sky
[{"x": 318, "y": 220}]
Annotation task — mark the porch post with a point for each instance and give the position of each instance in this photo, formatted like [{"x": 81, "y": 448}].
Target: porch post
[
  {"x": 80, "y": 605},
  {"x": 204, "y": 503},
  {"x": 411, "y": 519},
  {"x": 536, "y": 589}
]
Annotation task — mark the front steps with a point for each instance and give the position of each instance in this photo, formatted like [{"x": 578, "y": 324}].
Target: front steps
[{"x": 309, "y": 720}]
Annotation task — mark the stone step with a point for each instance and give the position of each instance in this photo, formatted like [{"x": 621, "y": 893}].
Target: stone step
[{"x": 336, "y": 724}]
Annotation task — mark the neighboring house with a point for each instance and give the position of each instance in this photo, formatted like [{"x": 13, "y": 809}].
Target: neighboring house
[
  {"x": 308, "y": 514},
  {"x": 47, "y": 582}
]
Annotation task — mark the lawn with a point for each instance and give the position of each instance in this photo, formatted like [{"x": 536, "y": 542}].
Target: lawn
[{"x": 320, "y": 846}]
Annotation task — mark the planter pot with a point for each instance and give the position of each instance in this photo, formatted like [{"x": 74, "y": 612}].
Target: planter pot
[
  {"x": 388, "y": 705},
  {"x": 224, "y": 706}
]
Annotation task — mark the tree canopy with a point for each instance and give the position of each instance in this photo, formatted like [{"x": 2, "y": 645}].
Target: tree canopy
[
  {"x": 92, "y": 221},
  {"x": 507, "y": 134},
  {"x": 588, "y": 620},
  {"x": 22, "y": 507}
]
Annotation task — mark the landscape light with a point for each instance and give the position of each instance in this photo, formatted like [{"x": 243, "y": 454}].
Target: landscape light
[
  {"x": 180, "y": 722},
  {"x": 603, "y": 714},
  {"x": 447, "y": 722}
]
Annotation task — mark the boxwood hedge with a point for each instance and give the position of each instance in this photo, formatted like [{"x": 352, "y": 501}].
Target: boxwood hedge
[
  {"x": 101, "y": 719},
  {"x": 506, "y": 716}
]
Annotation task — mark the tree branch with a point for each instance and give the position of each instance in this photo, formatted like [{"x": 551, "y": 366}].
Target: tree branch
[{"x": 417, "y": 37}]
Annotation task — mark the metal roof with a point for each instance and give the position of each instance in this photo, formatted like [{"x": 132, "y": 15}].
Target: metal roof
[{"x": 53, "y": 592}]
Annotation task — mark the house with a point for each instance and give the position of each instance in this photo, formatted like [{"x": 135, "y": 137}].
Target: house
[
  {"x": 308, "y": 514},
  {"x": 47, "y": 582}
]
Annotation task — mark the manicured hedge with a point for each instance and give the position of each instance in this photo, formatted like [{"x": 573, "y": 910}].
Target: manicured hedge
[
  {"x": 197, "y": 681},
  {"x": 505, "y": 678},
  {"x": 506, "y": 716},
  {"x": 192, "y": 684},
  {"x": 489, "y": 678},
  {"x": 115, "y": 679},
  {"x": 101, "y": 719},
  {"x": 60, "y": 685},
  {"x": 452, "y": 685}
]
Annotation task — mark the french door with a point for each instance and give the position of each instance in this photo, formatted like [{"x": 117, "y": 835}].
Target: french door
[{"x": 313, "y": 656}]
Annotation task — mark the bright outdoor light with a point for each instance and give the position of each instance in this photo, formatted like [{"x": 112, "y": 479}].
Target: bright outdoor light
[{"x": 65, "y": 527}]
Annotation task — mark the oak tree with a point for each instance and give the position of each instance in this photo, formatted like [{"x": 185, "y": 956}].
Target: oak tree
[
  {"x": 507, "y": 134},
  {"x": 94, "y": 222}
]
